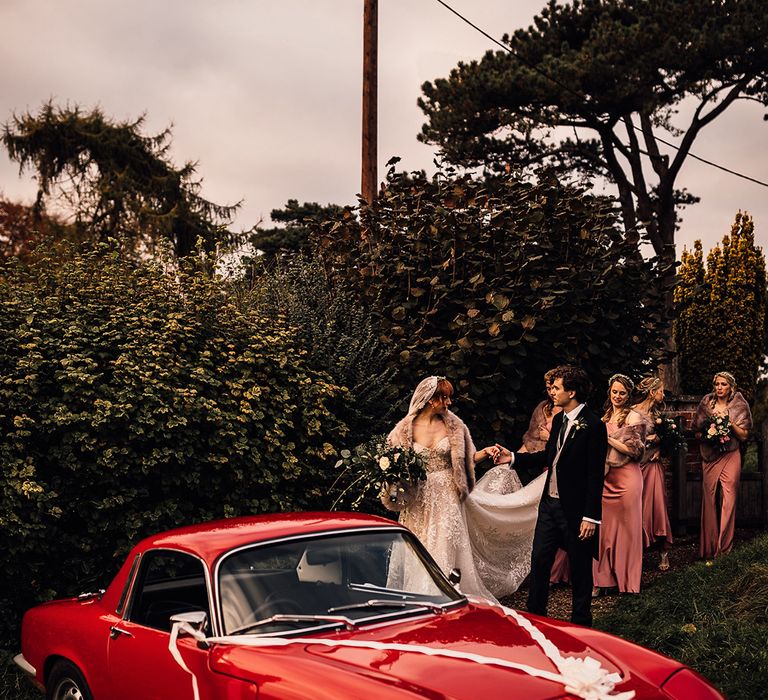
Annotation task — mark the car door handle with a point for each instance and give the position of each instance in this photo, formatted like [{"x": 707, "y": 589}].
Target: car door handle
[{"x": 115, "y": 632}]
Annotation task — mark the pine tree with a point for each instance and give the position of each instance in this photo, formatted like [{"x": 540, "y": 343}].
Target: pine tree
[{"x": 722, "y": 310}]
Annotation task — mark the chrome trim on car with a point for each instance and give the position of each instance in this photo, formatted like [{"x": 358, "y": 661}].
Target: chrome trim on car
[
  {"x": 125, "y": 595},
  {"x": 316, "y": 535},
  {"x": 24, "y": 665}
]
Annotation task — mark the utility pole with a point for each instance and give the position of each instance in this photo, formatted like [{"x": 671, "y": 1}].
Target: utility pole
[{"x": 369, "y": 185}]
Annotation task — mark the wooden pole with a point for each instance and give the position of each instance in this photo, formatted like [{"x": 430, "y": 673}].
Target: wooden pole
[{"x": 369, "y": 186}]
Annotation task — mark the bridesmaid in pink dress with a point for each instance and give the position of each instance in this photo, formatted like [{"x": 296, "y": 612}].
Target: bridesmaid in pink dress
[
  {"x": 721, "y": 465},
  {"x": 621, "y": 532},
  {"x": 656, "y": 524},
  {"x": 535, "y": 439}
]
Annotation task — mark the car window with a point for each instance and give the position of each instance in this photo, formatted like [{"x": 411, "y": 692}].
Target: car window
[
  {"x": 169, "y": 583},
  {"x": 314, "y": 576}
]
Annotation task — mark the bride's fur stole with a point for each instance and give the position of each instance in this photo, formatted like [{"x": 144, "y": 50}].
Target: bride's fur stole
[{"x": 462, "y": 448}]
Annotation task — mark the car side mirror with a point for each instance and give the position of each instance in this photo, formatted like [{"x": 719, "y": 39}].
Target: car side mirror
[
  {"x": 192, "y": 624},
  {"x": 455, "y": 576}
]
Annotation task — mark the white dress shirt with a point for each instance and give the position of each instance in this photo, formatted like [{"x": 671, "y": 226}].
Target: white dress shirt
[{"x": 572, "y": 415}]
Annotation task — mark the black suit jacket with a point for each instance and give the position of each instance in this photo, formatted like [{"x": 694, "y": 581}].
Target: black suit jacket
[{"x": 580, "y": 469}]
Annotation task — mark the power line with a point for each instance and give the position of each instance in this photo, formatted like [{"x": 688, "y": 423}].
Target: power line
[{"x": 587, "y": 98}]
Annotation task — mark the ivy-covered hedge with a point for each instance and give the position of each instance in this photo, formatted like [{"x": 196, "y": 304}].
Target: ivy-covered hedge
[
  {"x": 493, "y": 282},
  {"x": 132, "y": 401}
]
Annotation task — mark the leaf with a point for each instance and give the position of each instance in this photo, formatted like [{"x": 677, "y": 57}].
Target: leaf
[{"x": 500, "y": 301}]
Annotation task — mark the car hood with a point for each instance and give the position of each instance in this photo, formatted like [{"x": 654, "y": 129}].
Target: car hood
[{"x": 471, "y": 630}]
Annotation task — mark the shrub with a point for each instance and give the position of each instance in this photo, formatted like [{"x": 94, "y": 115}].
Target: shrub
[
  {"x": 338, "y": 334},
  {"x": 131, "y": 402},
  {"x": 493, "y": 282}
]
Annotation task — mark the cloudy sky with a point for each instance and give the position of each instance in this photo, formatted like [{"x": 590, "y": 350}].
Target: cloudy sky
[{"x": 266, "y": 95}]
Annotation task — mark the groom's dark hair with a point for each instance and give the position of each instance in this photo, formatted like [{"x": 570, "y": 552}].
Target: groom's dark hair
[{"x": 574, "y": 379}]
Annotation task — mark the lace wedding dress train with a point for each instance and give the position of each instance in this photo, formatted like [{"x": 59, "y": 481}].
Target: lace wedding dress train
[{"x": 488, "y": 536}]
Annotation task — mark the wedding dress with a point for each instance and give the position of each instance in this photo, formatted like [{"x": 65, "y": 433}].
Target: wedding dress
[{"x": 488, "y": 536}]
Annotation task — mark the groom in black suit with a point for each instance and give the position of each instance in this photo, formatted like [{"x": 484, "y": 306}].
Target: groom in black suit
[{"x": 571, "y": 504}]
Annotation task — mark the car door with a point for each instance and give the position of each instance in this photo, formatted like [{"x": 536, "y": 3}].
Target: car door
[{"x": 139, "y": 660}]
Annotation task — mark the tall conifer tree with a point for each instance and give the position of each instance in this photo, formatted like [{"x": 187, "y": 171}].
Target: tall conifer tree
[{"x": 721, "y": 310}]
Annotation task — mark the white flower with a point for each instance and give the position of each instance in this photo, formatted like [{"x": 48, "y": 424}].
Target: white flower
[
  {"x": 384, "y": 463},
  {"x": 579, "y": 424}
]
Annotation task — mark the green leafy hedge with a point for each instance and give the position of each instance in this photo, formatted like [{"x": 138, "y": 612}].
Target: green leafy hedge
[
  {"x": 340, "y": 337},
  {"x": 132, "y": 401},
  {"x": 493, "y": 282}
]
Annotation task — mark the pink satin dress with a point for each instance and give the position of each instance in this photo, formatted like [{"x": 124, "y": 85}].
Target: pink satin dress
[
  {"x": 656, "y": 523},
  {"x": 621, "y": 531},
  {"x": 717, "y": 528},
  {"x": 723, "y": 469}
]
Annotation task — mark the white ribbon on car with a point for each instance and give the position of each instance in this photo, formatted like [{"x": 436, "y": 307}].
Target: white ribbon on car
[
  {"x": 176, "y": 653},
  {"x": 583, "y": 677}
]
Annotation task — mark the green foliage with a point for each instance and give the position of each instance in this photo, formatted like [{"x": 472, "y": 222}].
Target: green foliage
[
  {"x": 721, "y": 311},
  {"x": 338, "y": 335},
  {"x": 494, "y": 282},
  {"x": 132, "y": 401},
  {"x": 714, "y": 619},
  {"x": 13, "y": 684},
  {"x": 613, "y": 74},
  {"x": 115, "y": 181},
  {"x": 299, "y": 221}
]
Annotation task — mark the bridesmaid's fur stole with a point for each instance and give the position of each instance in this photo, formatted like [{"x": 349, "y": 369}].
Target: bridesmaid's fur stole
[{"x": 462, "y": 448}]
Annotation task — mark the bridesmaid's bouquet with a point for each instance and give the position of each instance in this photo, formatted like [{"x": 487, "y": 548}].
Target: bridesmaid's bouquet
[
  {"x": 671, "y": 437},
  {"x": 378, "y": 468},
  {"x": 717, "y": 432}
]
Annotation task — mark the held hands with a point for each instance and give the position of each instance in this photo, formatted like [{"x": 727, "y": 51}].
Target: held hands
[
  {"x": 489, "y": 453},
  {"x": 586, "y": 530},
  {"x": 503, "y": 455}
]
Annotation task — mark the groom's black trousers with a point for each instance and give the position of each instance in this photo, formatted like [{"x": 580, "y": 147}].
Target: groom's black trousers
[{"x": 553, "y": 533}]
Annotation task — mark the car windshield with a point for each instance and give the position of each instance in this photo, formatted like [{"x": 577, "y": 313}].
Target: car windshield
[{"x": 335, "y": 579}]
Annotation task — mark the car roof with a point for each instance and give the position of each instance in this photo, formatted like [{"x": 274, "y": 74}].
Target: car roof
[{"x": 211, "y": 539}]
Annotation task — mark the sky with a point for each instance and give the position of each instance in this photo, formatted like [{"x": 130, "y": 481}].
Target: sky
[{"x": 266, "y": 95}]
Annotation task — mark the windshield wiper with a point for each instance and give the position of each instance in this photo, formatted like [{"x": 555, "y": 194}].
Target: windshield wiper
[
  {"x": 376, "y": 603},
  {"x": 338, "y": 619}
]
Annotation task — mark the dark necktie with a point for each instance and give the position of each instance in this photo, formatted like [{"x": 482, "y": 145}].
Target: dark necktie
[{"x": 561, "y": 434}]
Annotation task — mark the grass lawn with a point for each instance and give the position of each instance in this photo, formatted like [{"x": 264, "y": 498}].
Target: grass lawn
[{"x": 712, "y": 618}]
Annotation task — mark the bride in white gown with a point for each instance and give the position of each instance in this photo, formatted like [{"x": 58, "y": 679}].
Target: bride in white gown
[{"x": 484, "y": 529}]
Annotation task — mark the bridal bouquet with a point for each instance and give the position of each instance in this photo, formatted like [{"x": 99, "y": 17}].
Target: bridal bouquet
[
  {"x": 377, "y": 467},
  {"x": 717, "y": 432},
  {"x": 671, "y": 437}
]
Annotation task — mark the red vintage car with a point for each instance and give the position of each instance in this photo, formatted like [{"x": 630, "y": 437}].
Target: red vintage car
[{"x": 322, "y": 606}]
